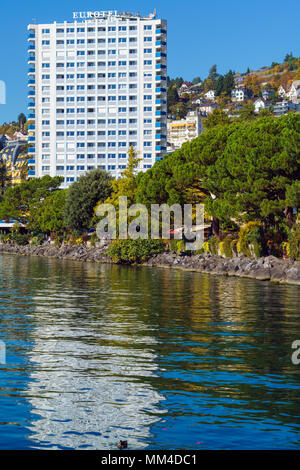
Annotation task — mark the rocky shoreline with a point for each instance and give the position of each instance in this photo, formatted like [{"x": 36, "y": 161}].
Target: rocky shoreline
[{"x": 263, "y": 269}]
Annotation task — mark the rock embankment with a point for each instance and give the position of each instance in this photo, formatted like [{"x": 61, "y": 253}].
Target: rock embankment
[
  {"x": 263, "y": 269},
  {"x": 75, "y": 252}
]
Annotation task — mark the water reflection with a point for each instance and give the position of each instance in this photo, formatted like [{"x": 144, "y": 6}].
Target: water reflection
[{"x": 163, "y": 358}]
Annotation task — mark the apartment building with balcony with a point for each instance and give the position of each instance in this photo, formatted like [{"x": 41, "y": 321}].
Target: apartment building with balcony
[
  {"x": 96, "y": 86},
  {"x": 183, "y": 130}
]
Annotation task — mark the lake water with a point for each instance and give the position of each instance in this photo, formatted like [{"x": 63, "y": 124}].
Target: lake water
[{"x": 165, "y": 359}]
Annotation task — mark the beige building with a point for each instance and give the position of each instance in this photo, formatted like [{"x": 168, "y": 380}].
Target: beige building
[{"x": 183, "y": 130}]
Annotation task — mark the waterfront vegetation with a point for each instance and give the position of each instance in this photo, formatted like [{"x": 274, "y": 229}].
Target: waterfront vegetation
[{"x": 246, "y": 173}]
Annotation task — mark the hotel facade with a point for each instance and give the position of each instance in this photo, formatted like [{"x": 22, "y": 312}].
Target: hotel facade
[{"x": 96, "y": 86}]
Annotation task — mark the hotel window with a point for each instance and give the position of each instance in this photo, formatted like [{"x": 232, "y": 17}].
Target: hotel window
[
  {"x": 101, "y": 29},
  {"x": 111, "y": 64},
  {"x": 147, "y": 155},
  {"x": 70, "y": 121},
  {"x": 91, "y": 30},
  {"x": 46, "y": 66},
  {"x": 45, "y": 31},
  {"x": 111, "y": 75},
  {"x": 147, "y": 62},
  {"x": 45, "y": 43},
  {"x": 122, "y": 28},
  {"x": 80, "y": 121},
  {"x": 147, "y": 51},
  {"x": 147, "y": 39},
  {"x": 80, "y": 156},
  {"x": 147, "y": 144},
  {"x": 111, "y": 40},
  {"x": 122, "y": 63},
  {"x": 132, "y": 28},
  {"x": 111, "y": 28},
  {"x": 70, "y": 41},
  {"x": 111, "y": 155},
  {"x": 110, "y": 121},
  {"x": 122, "y": 155},
  {"x": 122, "y": 110},
  {"x": 80, "y": 133},
  {"x": 80, "y": 30},
  {"x": 80, "y": 87},
  {"x": 80, "y": 52},
  {"x": 80, "y": 167},
  {"x": 70, "y": 30},
  {"x": 45, "y": 157},
  {"x": 147, "y": 27},
  {"x": 45, "y": 168},
  {"x": 122, "y": 39}
]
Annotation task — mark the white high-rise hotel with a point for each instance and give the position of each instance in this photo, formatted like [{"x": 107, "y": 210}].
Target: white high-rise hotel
[{"x": 97, "y": 86}]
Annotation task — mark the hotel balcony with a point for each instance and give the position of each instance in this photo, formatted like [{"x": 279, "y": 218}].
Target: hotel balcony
[
  {"x": 31, "y": 161},
  {"x": 31, "y": 150},
  {"x": 31, "y": 116},
  {"x": 31, "y": 59},
  {"x": 31, "y": 71}
]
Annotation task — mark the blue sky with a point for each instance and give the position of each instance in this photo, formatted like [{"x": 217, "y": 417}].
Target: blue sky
[{"x": 232, "y": 34}]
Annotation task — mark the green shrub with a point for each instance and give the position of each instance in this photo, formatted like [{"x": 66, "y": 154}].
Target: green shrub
[
  {"x": 19, "y": 238},
  {"x": 251, "y": 236},
  {"x": 294, "y": 243},
  {"x": 225, "y": 247},
  {"x": 214, "y": 245},
  {"x": 134, "y": 251}
]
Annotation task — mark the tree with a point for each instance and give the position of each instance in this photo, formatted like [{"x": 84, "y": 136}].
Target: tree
[
  {"x": 126, "y": 185},
  {"x": 20, "y": 202},
  {"x": 213, "y": 72},
  {"x": 247, "y": 112},
  {"x": 82, "y": 197},
  {"x": 218, "y": 116},
  {"x": 196, "y": 81},
  {"x": 257, "y": 174},
  {"x": 228, "y": 83},
  {"x": 49, "y": 216},
  {"x": 172, "y": 97},
  {"x": 5, "y": 179},
  {"x": 219, "y": 85},
  {"x": 22, "y": 120}
]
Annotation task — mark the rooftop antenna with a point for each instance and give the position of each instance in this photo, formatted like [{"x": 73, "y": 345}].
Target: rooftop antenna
[
  {"x": 155, "y": 12},
  {"x": 33, "y": 20}
]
